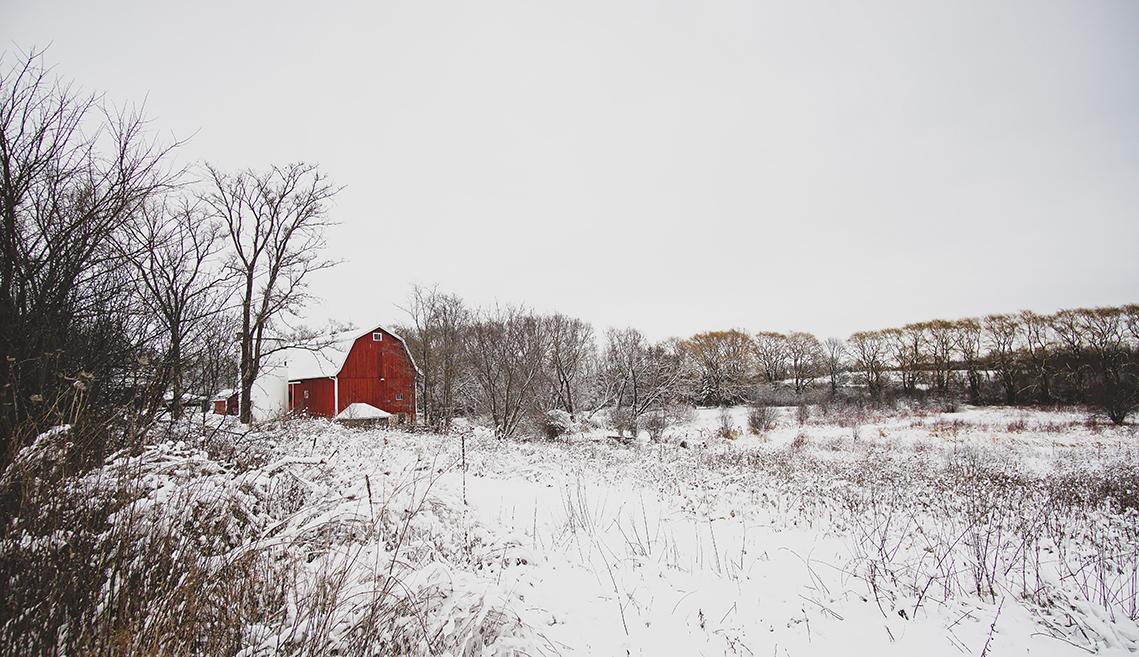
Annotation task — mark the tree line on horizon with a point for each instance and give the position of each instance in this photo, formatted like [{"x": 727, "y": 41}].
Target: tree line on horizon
[{"x": 512, "y": 365}]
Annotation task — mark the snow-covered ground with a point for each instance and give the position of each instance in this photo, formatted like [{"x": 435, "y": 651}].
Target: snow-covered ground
[
  {"x": 987, "y": 531},
  {"x": 930, "y": 533}
]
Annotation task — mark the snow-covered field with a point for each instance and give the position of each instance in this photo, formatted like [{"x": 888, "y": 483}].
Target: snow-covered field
[{"x": 986, "y": 531}]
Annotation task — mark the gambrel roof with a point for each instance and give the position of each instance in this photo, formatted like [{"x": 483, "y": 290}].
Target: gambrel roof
[{"x": 329, "y": 361}]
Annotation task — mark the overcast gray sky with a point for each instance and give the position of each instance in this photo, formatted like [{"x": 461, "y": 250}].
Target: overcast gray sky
[{"x": 675, "y": 166}]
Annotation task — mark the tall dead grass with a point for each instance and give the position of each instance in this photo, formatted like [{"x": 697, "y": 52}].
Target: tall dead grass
[{"x": 175, "y": 548}]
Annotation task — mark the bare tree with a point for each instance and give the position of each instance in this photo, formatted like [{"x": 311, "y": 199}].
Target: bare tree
[
  {"x": 72, "y": 174},
  {"x": 724, "y": 361},
  {"x": 771, "y": 355},
  {"x": 451, "y": 320},
  {"x": 571, "y": 357},
  {"x": 435, "y": 338},
  {"x": 505, "y": 351},
  {"x": 420, "y": 337},
  {"x": 940, "y": 348},
  {"x": 967, "y": 340},
  {"x": 1001, "y": 334},
  {"x": 275, "y": 220},
  {"x": 1072, "y": 362},
  {"x": 171, "y": 249},
  {"x": 869, "y": 350},
  {"x": 834, "y": 352},
  {"x": 212, "y": 359},
  {"x": 1036, "y": 336},
  {"x": 1131, "y": 321},
  {"x": 804, "y": 358},
  {"x": 906, "y": 345},
  {"x": 1115, "y": 387},
  {"x": 648, "y": 376}
]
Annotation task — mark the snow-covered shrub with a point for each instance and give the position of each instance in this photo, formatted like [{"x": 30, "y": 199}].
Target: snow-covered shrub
[
  {"x": 39, "y": 463},
  {"x": 1017, "y": 426},
  {"x": 623, "y": 421},
  {"x": 760, "y": 419},
  {"x": 467, "y": 426},
  {"x": 655, "y": 422},
  {"x": 726, "y": 426},
  {"x": 951, "y": 406},
  {"x": 802, "y": 414},
  {"x": 558, "y": 423}
]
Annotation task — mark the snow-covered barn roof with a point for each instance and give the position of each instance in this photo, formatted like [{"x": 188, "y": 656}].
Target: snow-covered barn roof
[{"x": 328, "y": 362}]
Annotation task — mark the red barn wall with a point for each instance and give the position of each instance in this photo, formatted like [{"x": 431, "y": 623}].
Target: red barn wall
[
  {"x": 320, "y": 397},
  {"x": 376, "y": 372},
  {"x": 227, "y": 406}
]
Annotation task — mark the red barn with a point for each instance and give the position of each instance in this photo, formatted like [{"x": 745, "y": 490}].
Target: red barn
[{"x": 374, "y": 368}]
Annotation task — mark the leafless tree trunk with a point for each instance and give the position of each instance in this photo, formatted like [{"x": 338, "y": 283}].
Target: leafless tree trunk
[
  {"x": 870, "y": 349},
  {"x": 647, "y": 376},
  {"x": 571, "y": 354},
  {"x": 172, "y": 251},
  {"x": 506, "y": 350},
  {"x": 835, "y": 351},
  {"x": 435, "y": 338},
  {"x": 1001, "y": 333},
  {"x": 275, "y": 221}
]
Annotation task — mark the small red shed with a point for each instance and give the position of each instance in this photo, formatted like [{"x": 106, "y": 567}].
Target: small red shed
[
  {"x": 374, "y": 367},
  {"x": 225, "y": 403}
]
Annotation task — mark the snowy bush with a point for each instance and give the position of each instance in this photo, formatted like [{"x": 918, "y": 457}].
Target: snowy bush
[
  {"x": 558, "y": 423},
  {"x": 623, "y": 421},
  {"x": 802, "y": 414},
  {"x": 760, "y": 419},
  {"x": 726, "y": 427},
  {"x": 655, "y": 422}
]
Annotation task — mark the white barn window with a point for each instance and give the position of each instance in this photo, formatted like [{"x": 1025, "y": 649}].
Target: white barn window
[{"x": 376, "y": 337}]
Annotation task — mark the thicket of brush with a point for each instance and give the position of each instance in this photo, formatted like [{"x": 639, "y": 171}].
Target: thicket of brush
[
  {"x": 938, "y": 522},
  {"x": 207, "y": 542},
  {"x": 926, "y": 522}
]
